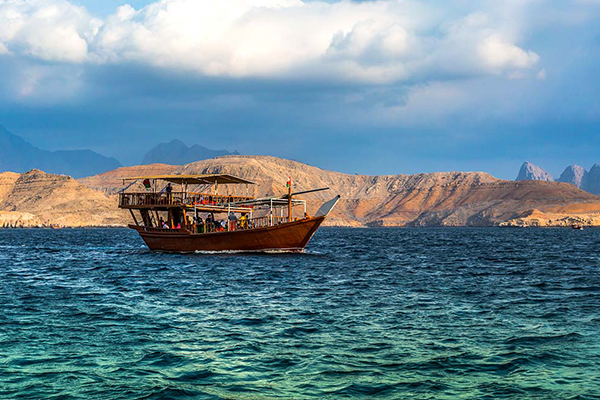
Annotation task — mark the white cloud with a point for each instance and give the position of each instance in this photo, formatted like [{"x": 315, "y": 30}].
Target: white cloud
[
  {"x": 500, "y": 55},
  {"x": 373, "y": 42},
  {"x": 51, "y": 30}
]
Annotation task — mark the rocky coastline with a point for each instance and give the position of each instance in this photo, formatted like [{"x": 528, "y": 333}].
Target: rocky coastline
[{"x": 39, "y": 199}]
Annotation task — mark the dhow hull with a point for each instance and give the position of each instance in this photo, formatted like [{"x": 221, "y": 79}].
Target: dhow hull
[{"x": 290, "y": 236}]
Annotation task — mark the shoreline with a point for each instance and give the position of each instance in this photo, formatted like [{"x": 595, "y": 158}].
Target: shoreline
[{"x": 328, "y": 227}]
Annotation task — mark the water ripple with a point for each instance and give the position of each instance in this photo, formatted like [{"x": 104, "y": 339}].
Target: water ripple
[{"x": 369, "y": 313}]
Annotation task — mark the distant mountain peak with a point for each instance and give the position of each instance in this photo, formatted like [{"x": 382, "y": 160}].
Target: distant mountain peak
[
  {"x": 531, "y": 172},
  {"x": 591, "y": 183},
  {"x": 574, "y": 174},
  {"x": 176, "y": 152},
  {"x": 18, "y": 155}
]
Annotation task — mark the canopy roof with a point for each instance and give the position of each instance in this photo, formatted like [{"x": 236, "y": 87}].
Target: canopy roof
[
  {"x": 194, "y": 179},
  {"x": 275, "y": 201}
]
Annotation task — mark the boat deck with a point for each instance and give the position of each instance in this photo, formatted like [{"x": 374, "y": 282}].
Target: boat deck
[{"x": 178, "y": 199}]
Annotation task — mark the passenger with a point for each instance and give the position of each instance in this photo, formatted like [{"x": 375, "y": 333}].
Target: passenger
[
  {"x": 178, "y": 226},
  {"x": 168, "y": 191},
  {"x": 232, "y": 220},
  {"x": 210, "y": 222},
  {"x": 244, "y": 221},
  {"x": 223, "y": 225}
]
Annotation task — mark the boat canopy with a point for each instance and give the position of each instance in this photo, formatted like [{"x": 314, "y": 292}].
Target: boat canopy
[
  {"x": 283, "y": 199},
  {"x": 194, "y": 179},
  {"x": 266, "y": 201}
]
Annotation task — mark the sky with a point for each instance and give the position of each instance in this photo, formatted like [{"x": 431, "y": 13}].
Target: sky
[{"x": 369, "y": 87}]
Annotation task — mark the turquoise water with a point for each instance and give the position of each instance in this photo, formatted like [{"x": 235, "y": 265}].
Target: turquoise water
[{"x": 364, "y": 314}]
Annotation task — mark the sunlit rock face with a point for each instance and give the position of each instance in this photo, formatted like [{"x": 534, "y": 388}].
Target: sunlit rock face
[
  {"x": 433, "y": 199},
  {"x": 531, "y": 172},
  {"x": 36, "y": 198},
  {"x": 574, "y": 174}
]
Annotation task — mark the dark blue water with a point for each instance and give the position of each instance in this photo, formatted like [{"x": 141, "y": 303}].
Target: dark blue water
[{"x": 365, "y": 313}]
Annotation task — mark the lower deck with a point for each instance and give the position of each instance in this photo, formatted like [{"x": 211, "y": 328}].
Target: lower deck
[{"x": 289, "y": 236}]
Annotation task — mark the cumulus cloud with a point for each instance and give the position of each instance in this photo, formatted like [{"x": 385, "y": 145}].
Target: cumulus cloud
[
  {"x": 501, "y": 55},
  {"x": 51, "y": 30},
  {"x": 371, "y": 42}
]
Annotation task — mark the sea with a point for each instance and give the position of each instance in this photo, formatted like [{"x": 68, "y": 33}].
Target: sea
[{"x": 389, "y": 313}]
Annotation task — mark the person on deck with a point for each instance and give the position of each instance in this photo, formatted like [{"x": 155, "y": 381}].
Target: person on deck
[
  {"x": 210, "y": 222},
  {"x": 244, "y": 221},
  {"x": 232, "y": 221},
  {"x": 168, "y": 191},
  {"x": 199, "y": 225}
]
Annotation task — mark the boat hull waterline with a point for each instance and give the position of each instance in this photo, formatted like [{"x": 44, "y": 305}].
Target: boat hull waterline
[{"x": 289, "y": 236}]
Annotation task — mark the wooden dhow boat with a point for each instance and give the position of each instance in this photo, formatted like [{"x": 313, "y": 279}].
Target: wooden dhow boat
[{"x": 206, "y": 221}]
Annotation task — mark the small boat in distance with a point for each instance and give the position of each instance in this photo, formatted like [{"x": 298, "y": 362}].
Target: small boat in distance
[
  {"x": 203, "y": 220},
  {"x": 577, "y": 227}
]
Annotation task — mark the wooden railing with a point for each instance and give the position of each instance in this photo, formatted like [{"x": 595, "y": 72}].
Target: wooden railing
[
  {"x": 260, "y": 222},
  {"x": 250, "y": 223},
  {"x": 150, "y": 199},
  {"x": 215, "y": 199},
  {"x": 177, "y": 198}
]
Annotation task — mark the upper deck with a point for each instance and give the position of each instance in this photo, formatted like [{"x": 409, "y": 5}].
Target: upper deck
[
  {"x": 166, "y": 199},
  {"x": 177, "y": 199}
]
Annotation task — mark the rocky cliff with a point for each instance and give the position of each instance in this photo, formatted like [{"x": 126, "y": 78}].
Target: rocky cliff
[
  {"x": 437, "y": 199},
  {"x": 36, "y": 198},
  {"x": 591, "y": 182},
  {"x": 111, "y": 182},
  {"x": 575, "y": 175},
  {"x": 531, "y": 172}
]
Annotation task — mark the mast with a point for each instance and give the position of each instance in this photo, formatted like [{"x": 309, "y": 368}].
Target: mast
[{"x": 290, "y": 199}]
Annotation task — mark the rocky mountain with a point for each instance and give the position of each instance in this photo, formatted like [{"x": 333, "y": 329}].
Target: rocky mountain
[
  {"x": 591, "y": 183},
  {"x": 575, "y": 175},
  {"x": 18, "y": 155},
  {"x": 176, "y": 152},
  {"x": 36, "y": 198},
  {"x": 436, "y": 199},
  {"x": 111, "y": 182},
  {"x": 531, "y": 172}
]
